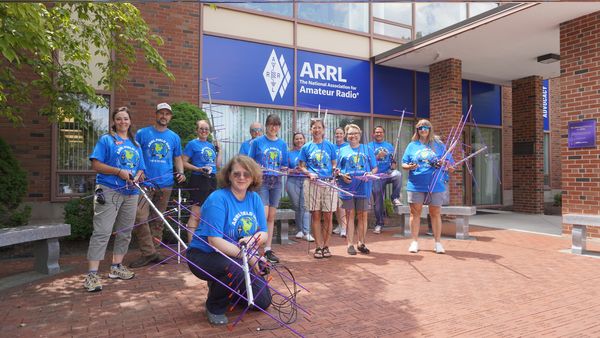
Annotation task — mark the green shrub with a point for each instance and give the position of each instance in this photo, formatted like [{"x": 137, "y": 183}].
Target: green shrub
[
  {"x": 79, "y": 212},
  {"x": 389, "y": 207},
  {"x": 184, "y": 120},
  {"x": 13, "y": 187},
  {"x": 285, "y": 203},
  {"x": 558, "y": 199}
]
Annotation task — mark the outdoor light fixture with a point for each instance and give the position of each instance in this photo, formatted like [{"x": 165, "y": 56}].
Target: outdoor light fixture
[{"x": 548, "y": 58}]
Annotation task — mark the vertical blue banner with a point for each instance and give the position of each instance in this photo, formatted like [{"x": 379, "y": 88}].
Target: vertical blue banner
[
  {"x": 247, "y": 71},
  {"x": 546, "y": 104},
  {"x": 333, "y": 82}
]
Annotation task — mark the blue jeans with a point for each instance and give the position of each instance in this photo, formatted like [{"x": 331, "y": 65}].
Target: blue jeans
[
  {"x": 294, "y": 190},
  {"x": 379, "y": 194},
  {"x": 270, "y": 190}
]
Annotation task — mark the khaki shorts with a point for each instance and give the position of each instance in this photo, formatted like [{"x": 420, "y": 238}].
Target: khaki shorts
[{"x": 318, "y": 197}]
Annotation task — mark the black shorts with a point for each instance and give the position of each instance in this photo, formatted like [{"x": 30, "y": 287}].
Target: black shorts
[{"x": 201, "y": 186}]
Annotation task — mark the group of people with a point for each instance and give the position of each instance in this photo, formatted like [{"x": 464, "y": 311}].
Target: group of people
[{"x": 322, "y": 178}]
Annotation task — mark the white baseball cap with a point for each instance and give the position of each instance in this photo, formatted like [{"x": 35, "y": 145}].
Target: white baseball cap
[{"x": 163, "y": 105}]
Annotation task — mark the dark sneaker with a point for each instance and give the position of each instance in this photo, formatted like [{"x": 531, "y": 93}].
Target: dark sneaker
[
  {"x": 92, "y": 282},
  {"x": 363, "y": 249},
  {"x": 270, "y": 256},
  {"x": 145, "y": 260},
  {"x": 351, "y": 250}
]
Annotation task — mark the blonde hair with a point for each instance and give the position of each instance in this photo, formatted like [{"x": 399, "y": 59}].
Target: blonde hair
[
  {"x": 430, "y": 137},
  {"x": 351, "y": 125},
  {"x": 246, "y": 163}
]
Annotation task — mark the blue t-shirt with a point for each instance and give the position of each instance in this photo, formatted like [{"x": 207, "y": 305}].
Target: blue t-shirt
[
  {"x": 121, "y": 153},
  {"x": 384, "y": 165},
  {"x": 245, "y": 147},
  {"x": 202, "y": 154},
  {"x": 425, "y": 156},
  {"x": 340, "y": 146},
  {"x": 356, "y": 162},
  {"x": 229, "y": 218},
  {"x": 293, "y": 159},
  {"x": 269, "y": 154},
  {"x": 318, "y": 157},
  {"x": 159, "y": 148}
]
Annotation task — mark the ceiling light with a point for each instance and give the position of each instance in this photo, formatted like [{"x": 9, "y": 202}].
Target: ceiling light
[{"x": 548, "y": 58}]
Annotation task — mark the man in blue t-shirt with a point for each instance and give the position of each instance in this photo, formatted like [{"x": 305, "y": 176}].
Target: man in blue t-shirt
[
  {"x": 256, "y": 130},
  {"x": 161, "y": 148},
  {"x": 386, "y": 164}
]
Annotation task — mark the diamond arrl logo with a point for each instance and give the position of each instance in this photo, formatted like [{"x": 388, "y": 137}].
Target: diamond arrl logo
[{"x": 276, "y": 75}]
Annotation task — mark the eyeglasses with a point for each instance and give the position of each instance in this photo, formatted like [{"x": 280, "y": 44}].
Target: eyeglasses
[
  {"x": 424, "y": 128},
  {"x": 204, "y": 129},
  {"x": 240, "y": 174},
  {"x": 354, "y": 133},
  {"x": 256, "y": 130}
]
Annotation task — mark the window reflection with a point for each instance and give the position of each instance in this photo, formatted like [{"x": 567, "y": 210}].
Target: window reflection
[
  {"x": 284, "y": 9},
  {"x": 477, "y": 8},
  {"x": 397, "y": 12},
  {"x": 431, "y": 17},
  {"x": 391, "y": 30},
  {"x": 354, "y": 16}
]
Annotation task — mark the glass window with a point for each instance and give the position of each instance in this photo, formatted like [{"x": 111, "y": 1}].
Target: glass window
[
  {"x": 76, "y": 141},
  {"x": 476, "y": 8},
  {"x": 486, "y": 166},
  {"x": 353, "y": 16},
  {"x": 284, "y": 9},
  {"x": 431, "y": 17},
  {"x": 333, "y": 121},
  {"x": 234, "y": 124},
  {"x": 392, "y": 31},
  {"x": 397, "y": 12}
]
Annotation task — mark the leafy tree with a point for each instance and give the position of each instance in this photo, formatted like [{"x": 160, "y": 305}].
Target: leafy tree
[
  {"x": 13, "y": 185},
  {"x": 56, "y": 42},
  {"x": 184, "y": 120}
]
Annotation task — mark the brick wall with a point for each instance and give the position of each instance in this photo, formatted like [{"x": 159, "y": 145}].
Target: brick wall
[
  {"x": 580, "y": 99},
  {"x": 528, "y": 145},
  {"x": 555, "y": 131},
  {"x": 31, "y": 143},
  {"x": 507, "y": 142},
  {"x": 445, "y": 106},
  {"x": 179, "y": 25}
]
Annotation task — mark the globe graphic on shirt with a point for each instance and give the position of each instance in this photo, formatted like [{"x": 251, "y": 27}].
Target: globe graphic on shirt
[
  {"x": 159, "y": 150},
  {"x": 208, "y": 155},
  {"x": 246, "y": 226},
  {"x": 425, "y": 157},
  {"x": 128, "y": 158}
]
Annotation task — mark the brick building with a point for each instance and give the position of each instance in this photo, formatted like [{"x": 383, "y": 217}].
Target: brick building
[{"x": 364, "y": 63}]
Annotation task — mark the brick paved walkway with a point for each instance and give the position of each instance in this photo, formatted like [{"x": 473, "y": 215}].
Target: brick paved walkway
[{"x": 505, "y": 283}]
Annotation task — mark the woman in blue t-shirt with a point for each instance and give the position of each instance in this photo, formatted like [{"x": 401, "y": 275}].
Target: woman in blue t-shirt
[
  {"x": 270, "y": 152},
  {"x": 354, "y": 161},
  {"x": 230, "y": 215},
  {"x": 205, "y": 161},
  {"x": 118, "y": 160},
  {"x": 424, "y": 158},
  {"x": 340, "y": 213},
  {"x": 294, "y": 188}
]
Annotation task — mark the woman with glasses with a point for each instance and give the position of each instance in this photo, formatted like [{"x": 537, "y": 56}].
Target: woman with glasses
[
  {"x": 203, "y": 159},
  {"x": 270, "y": 152},
  {"x": 423, "y": 158},
  {"x": 118, "y": 160},
  {"x": 340, "y": 213},
  {"x": 232, "y": 215},
  {"x": 317, "y": 160},
  {"x": 356, "y": 160},
  {"x": 294, "y": 188}
]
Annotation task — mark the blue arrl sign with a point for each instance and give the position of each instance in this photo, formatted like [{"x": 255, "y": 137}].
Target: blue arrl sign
[
  {"x": 248, "y": 72},
  {"x": 333, "y": 82},
  {"x": 546, "y": 104}
]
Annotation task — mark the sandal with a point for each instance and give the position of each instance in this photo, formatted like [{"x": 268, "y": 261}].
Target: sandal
[
  {"x": 363, "y": 248},
  {"x": 215, "y": 319},
  {"x": 318, "y": 253},
  {"x": 326, "y": 252}
]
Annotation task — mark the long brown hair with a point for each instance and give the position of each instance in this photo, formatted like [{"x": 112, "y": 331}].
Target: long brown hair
[{"x": 113, "y": 128}]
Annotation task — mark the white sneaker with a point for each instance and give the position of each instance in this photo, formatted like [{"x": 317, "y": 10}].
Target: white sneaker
[
  {"x": 377, "y": 229},
  {"x": 414, "y": 247},
  {"x": 397, "y": 202},
  {"x": 299, "y": 235},
  {"x": 439, "y": 248},
  {"x": 309, "y": 238},
  {"x": 343, "y": 233},
  {"x": 337, "y": 230}
]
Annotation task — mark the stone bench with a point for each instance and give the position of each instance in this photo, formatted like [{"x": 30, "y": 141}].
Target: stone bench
[
  {"x": 580, "y": 223},
  {"x": 284, "y": 216},
  {"x": 462, "y": 214},
  {"x": 46, "y": 247}
]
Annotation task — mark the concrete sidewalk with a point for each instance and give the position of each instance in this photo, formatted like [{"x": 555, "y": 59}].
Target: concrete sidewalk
[{"x": 503, "y": 283}]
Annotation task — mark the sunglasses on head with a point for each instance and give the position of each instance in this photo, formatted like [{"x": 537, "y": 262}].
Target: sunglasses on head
[
  {"x": 424, "y": 128},
  {"x": 240, "y": 174}
]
